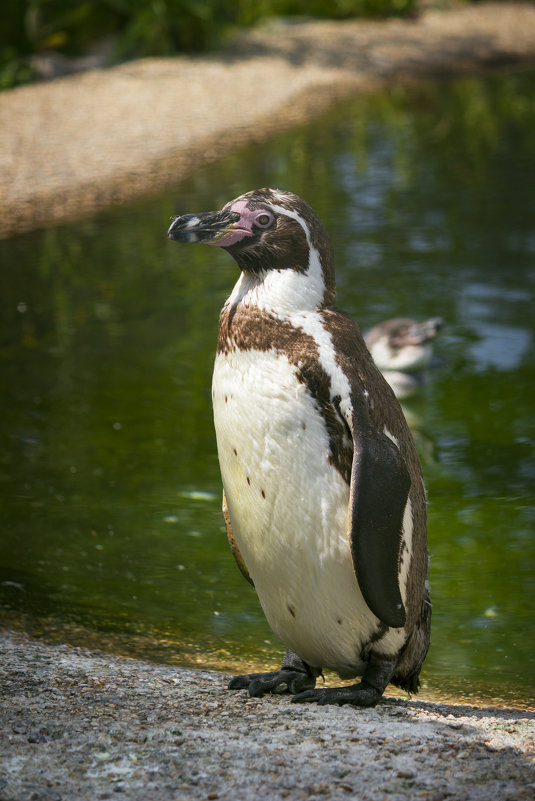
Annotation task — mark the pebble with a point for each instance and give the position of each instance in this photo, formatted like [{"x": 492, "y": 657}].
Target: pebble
[{"x": 405, "y": 774}]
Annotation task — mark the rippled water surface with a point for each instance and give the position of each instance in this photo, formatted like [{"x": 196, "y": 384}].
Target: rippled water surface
[{"x": 111, "y": 524}]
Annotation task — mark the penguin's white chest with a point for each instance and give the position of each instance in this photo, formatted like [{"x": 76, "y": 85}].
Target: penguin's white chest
[{"x": 289, "y": 508}]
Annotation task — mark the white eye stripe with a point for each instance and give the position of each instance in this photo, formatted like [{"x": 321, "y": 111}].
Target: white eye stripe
[{"x": 294, "y": 216}]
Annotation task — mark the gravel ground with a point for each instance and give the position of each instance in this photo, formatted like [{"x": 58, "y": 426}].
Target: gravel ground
[
  {"x": 89, "y": 140},
  {"x": 77, "y": 724}
]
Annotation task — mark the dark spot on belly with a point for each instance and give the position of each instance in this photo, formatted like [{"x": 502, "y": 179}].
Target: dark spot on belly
[
  {"x": 226, "y": 398},
  {"x": 339, "y": 621},
  {"x": 235, "y": 452},
  {"x": 263, "y": 494},
  {"x": 291, "y": 610},
  {"x": 304, "y": 426},
  {"x": 248, "y": 480}
]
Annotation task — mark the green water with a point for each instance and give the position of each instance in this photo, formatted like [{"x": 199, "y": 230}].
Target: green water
[{"x": 111, "y": 525}]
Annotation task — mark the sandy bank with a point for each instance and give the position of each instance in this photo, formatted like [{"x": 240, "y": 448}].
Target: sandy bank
[
  {"x": 76, "y": 724},
  {"x": 84, "y": 142}
]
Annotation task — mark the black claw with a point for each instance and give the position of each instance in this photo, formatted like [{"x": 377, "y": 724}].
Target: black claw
[
  {"x": 258, "y": 687},
  {"x": 301, "y": 684},
  {"x": 238, "y": 683},
  {"x": 304, "y": 697}
]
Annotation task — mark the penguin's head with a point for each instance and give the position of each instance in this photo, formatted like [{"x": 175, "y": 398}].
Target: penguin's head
[
  {"x": 403, "y": 344},
  {"x": 266, "y": 231}
]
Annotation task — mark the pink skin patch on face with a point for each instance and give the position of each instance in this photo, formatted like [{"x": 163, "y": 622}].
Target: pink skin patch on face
[{"x": 240, "y": 229}]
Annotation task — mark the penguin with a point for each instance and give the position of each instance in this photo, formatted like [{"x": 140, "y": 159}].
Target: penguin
[
  {"x": 402, "y": 350},
  {"x": 323, "y": 495}
]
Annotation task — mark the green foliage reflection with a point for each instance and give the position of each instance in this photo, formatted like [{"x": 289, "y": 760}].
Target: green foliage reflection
[{"x": 136, "y": 28}]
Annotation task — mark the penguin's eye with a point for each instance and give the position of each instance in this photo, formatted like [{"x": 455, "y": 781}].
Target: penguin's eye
[{"x": 264, "y": 219}]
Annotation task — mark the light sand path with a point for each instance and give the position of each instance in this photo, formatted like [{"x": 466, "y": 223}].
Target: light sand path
[{"x": 90, "y": 140}]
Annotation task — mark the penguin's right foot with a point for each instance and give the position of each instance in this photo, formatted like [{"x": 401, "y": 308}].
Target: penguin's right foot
[
  {"x": 368, "y": 692},
  {"x": 294, "y": 676},
  {"x": 276, "y": 681}
]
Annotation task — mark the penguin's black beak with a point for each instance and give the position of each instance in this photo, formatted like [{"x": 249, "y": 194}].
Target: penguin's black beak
[
  {"x": 435, "y": 324},
  {"x": 209, "y": 227},
  {"x": 420, "y": 333},
  {"x": 431, "y": 327}
]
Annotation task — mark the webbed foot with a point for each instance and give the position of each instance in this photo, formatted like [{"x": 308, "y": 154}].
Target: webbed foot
[
  {"x": 367, "y": 693},
  {"x": 276, "y": 681},
  {"x": 294, "y": 676},
  {"x": 363, "y": 695}
]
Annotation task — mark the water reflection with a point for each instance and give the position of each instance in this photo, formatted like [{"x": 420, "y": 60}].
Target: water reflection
[
  {"x": 111, "y": 493},
  {"x": 500, "y": 346}
]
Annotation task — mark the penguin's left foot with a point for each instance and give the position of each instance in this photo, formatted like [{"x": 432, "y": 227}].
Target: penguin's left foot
[
  {"x": 276, "y": 681},
  {"x": 294, "y": 676},
  {"x": 362, "y": 695}
]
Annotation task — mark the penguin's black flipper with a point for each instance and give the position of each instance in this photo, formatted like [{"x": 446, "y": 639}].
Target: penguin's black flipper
[{"x": 380, "y": 484}]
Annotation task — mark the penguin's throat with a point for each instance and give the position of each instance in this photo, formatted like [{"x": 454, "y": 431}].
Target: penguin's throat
[{"x": 281, "y": 292}]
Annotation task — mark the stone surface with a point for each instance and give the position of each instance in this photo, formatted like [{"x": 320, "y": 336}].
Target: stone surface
[{"x": 76, "y": 724}]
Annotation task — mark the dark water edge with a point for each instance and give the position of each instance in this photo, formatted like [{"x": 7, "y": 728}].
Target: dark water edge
[
  {"x": 111, "y": 522},
  {"x": 207, "y": 657}
]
